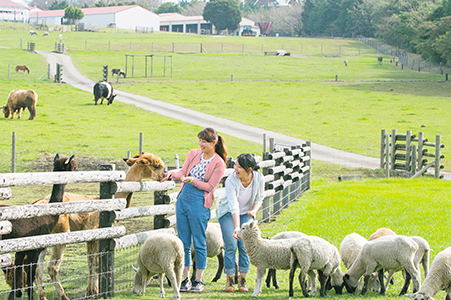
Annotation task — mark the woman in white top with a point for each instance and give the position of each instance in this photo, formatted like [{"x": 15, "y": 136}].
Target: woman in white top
[{"x": 244, "y": 196}]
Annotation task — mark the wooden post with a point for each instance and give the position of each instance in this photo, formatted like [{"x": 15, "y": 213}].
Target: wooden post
[
  {"x": 420, "y": 150},
  {"x": 393, "y": 148},
  {"x": 266, "y": 213},
  {"x": 437, "y": 156},
  {"x": 408, "y": 150},
  {"x": 309, "y": 163},
  {"x": 106, "y": 247},
  {"x": 140, "y": 143},
  {"x": 160, "y": 221},
  {"x": 13, "y": 153},
  {"x": 387, "y": 155},
  {"x": 264, "y": 154},
  {"x": 413, "y": 166},
  {"x": 382, "y": 148}
]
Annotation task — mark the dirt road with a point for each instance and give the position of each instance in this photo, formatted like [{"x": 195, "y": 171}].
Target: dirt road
[{"x": 72, "y": 76}]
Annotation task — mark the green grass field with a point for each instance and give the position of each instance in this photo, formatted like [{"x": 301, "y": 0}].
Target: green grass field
[{"x": 295, "y": 95}]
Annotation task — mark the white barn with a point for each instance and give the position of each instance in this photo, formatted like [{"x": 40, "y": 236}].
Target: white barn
[
  {"x": 13, "y": 12},
  {"x": 124, "y": 17}
]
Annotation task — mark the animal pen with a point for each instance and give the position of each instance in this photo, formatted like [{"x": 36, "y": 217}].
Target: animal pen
[
  {"x": 287, "y": 173},
  {"x": 409, "y": 155},
  {"x": 146, "y": 56}
]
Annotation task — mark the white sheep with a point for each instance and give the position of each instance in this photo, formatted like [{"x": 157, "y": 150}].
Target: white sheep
[
  {"x": 215, "y": 247},
  {"x": 315, "y": 253},
  {"x": 160, "y": 254},
  {"x": 272, "y": 272},
  {"x": 421, "y": 256},
  {"x": 264, "y": 253},
  {"x": 388, "y": 252},
  {"x": 439, "y": 278}
]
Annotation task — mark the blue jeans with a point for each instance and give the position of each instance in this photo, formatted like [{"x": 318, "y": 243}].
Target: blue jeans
[
  {"x": 231, "y": 244},
  {"x": 192, "y": 219}
]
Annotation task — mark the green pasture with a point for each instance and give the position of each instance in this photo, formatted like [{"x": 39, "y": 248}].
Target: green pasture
[{"x": 295, "y": 95}]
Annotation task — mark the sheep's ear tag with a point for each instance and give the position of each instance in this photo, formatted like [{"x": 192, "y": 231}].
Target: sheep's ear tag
[{"x": 251, "y": 225}]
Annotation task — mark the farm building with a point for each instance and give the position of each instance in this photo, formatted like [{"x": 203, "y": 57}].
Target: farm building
[
  {"x": 11, "y": 11},
  {"x": 175, "y": 22},
  {"x": 125, "y": 17}
]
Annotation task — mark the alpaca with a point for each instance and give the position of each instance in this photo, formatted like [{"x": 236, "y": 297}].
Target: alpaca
[
  {"x": 32, "y": 227},
  {"x": 142, "y": 166},
  {"x": 22, "y": 68}
]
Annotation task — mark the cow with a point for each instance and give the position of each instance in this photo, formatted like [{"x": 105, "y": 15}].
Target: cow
[
  {"x": 103, "y": 90},
  {"x": 18, "y": 100},
  {"x": 379, "y": 59},
  {"x": 118, "y": 72}
]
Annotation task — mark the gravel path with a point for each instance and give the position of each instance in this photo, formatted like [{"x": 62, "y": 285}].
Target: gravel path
[{"x": 72, "y": 76}]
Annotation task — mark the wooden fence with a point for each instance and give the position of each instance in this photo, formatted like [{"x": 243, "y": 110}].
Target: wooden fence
[
  {"x": 287, "y": 175},
  {"x": 409, "y": 155}
]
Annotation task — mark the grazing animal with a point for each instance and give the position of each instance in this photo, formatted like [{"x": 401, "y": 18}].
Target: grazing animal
[
  {"x": 19, "y": 100},
  {"x": 35, "y": 226},
  {"x": 380, "y": 233},
  {"x": 103, "y": 90},
  {"x": 32, "y": 32},
  {"x": 315, "y": 253},
  {"x": 263, "y": 253},
  {"x": 272, "y": 272},
  {"x": 118, "y": 72},
  {"x": 45, "y": 33},
  {"x": 379, "y": 59},
  {"x": 387, "y": 252},
  {"x": 437, "y": 279},
  {"x": 22, "y": 68},
  {"x": 346, "y": 62},
  {"x": 160, "y": 254},
  {"x": 146, "y": 165}
]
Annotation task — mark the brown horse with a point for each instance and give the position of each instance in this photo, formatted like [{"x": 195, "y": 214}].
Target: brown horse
[{"x": 22, "y": 68}]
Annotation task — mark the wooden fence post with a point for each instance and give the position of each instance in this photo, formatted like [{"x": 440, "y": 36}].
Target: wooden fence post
[
  {"x": 309, "y": 164},
  {"x": 106, "y": 247},
  {"x": 160, "y": 221},
  {"x": 382, "y": 149},
  {"x": 393, "y": 148},
  {"x": 420, "y": 150},
  {"x": 413, "y": 166},
  {"x": 438, "y": 145},
  {"x": 408, "y": 150},
  {"x": 387, "y": 155}
]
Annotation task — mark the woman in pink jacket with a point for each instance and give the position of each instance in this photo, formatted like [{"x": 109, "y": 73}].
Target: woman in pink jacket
[{"x": 202, "y": 171}]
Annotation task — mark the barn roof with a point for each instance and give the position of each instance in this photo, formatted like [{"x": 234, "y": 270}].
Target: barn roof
[{"x": 9, "y": 3}]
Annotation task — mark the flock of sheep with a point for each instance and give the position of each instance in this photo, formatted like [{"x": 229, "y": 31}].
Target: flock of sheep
[{"x": 365, "y": 261}]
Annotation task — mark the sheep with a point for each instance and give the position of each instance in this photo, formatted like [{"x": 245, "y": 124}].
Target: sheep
[
  {"x": 315, "y": 253},
  {"x": 421, "y": 256},
  {"x": 439, "y": 278},
  {"x": 350, "y": 247},
  {"x": 263, "y": 253},
  {"x": 215, "y": 247},
  {"x": 160, "y": 254},
  {"x": 272, "y": 272},
  {"x": 388, "y": 252},
  {"x": 381, "y": 232}
]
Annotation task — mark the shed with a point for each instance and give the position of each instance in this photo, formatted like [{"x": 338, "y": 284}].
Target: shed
[{"x": 13, "y": 12}]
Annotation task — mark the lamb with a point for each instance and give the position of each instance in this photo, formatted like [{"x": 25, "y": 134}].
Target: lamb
[
  {"x": 215, "y": 247},
  {"x": 272, "y": 272},
  {"x": 315, "y": 253},
  {"x": 263, "y": 253},
  {"x": 160, "y": 254},
  {"x": 439, "y": 278},
  {"x": 350, "y": 248},
  {"x": 388, "y": 252}
]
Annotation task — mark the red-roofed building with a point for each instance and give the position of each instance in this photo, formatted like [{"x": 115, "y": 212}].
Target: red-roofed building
[
  {"x": 125, "y": 17},
  {"x": 13, "y": 12}
]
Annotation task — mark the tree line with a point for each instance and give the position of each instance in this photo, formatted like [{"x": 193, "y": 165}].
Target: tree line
[{"x": 418, "y": 26}]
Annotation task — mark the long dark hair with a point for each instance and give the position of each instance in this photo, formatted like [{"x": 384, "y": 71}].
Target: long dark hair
[
  {"x": 247, "y": 161},
  {"x": 210, "y": 135}
]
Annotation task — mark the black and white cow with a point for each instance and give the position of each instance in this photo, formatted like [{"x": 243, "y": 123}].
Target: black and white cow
[{"x": 103, "y": 90}]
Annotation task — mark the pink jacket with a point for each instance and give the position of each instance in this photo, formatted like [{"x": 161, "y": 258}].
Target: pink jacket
[{"x": 213, "y": 175}]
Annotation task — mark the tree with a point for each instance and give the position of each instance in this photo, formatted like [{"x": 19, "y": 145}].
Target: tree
[
  {"x": 193, "y": 8},
  {"x": 58, "y": 5},
  {"x": 223, "y": 14},
  {"x": 168, "y": 7},
  {"x": 73, "y": 13}
]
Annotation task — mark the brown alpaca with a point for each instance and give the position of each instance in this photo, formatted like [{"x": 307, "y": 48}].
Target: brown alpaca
[
  {"x": 27, "y": 260},
  {"x": 19, "y": 100},
  {"x": 143, "y": 166},
  {"x": 22, "y": 68}
]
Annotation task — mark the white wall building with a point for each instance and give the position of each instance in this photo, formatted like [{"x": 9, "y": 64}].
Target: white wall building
[
  {"x": 124, "y": 17},
  {"x": 13, "y": 12}
]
